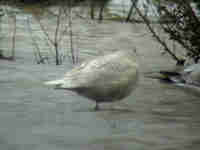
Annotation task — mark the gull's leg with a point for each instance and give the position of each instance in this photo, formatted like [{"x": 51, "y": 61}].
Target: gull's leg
[{"x": 96, "y": 108}]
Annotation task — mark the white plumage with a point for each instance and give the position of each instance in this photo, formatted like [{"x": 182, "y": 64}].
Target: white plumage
[{"x": 104, "y": 79}]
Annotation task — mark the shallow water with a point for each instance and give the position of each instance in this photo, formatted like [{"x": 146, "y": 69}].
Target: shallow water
[{"x": 35, "y": 117}]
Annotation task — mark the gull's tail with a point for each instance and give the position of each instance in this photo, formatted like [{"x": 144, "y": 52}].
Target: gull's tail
[
  {"x": 54, "y": 82},
  {"x": 58, "y": 84}
]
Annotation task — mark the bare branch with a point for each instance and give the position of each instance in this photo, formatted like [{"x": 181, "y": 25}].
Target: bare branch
[
  {"x": 154, "y": 34},
  {"x": 14, "y": 36},
  {"x": 44, "y": 30}
]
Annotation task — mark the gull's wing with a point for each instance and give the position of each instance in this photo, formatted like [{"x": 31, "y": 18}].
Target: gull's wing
[{"x": 105, "y": 71}]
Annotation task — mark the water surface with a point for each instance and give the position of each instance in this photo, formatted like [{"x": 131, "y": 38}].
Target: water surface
[{"x": 35, "y": 117}]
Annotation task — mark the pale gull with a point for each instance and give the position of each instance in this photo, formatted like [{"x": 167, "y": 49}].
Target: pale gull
[
  {"x": 107, "y": 78},
  {"x": 187, "y": 78}
]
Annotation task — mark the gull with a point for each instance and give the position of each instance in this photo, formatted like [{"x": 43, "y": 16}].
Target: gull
[
  {"x": 107, "y": 78},
  {"x": 187, "y": 77}
]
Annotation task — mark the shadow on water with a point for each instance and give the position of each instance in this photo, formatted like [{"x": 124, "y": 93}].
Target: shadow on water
[{"x": 116, "y": 110}]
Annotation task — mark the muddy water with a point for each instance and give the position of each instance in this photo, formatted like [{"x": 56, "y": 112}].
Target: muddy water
[{"x": 155, "y": 117}]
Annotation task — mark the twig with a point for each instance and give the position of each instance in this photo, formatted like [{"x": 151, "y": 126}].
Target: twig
[
  {"x": 54, "y": 42},
  {"x": 14, "y": 36},
  {"x": 58, "y": 61},
  {"x": 34, "y": 42},
  {"x": 131, "y": 10},
  {"x": 44, "y": 31},
  {"x": 71, "y": 34}
]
